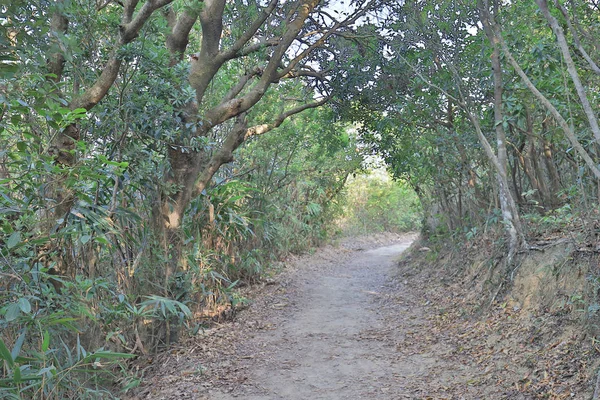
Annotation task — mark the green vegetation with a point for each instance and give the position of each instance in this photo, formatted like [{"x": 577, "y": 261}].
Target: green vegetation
[
  {"x": 480, "y": 107},
  {"x": 127, "y": 220},
  {"x": 156, "y": 154},
  {"x": 375, "y": 203}
]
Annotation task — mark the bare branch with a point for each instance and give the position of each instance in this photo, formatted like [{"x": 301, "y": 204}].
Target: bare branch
[
  {"x": 573, "y": 31},
  {"x": 256, "y": 47},
  {"x": 128, "y": 11},
  {"x": 129, "y": 32},
  {"x": 101, "y": 5},
  {"x": 178, "y": 39},
  {"x": 211, "y": 19},
  {"x": 264, "y": 128},
  {"x": 206, "y": 64},
  {"x": 238, "y": 134},
  {"x": 232, "y": 52},
  {"x": 333, "y": 30},
  {"x": 296, "y": 73},
  {"x": 99, "y": 89},
  {"x": 228, "y": 109},
  {"x": 328, "y": 15},
  {"x": 243, "y": 81},
  {"x": 224, "y": 155},
  {"x": 131, "y": 27},
  {"x": 56, "y": 61},
  {"x": 571, "y": 68}
]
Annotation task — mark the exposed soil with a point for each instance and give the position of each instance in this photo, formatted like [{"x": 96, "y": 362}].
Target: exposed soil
[{"x": 347, "y": 323}]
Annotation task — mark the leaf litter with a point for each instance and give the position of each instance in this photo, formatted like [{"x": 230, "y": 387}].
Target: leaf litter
[{"x": 347, "y": 322}]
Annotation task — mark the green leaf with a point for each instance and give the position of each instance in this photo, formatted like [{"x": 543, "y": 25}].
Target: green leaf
[
  {"x": 46, "y": 341},
  {"x": 5, "y": 354},
  {"x": 13, "y": 311},
  {"x": 40, "y": 241},
  {"x": 13, "y": 240},
  {"x": 62, "y": 321},
  {"x": 26, "y": 360},
  {"x": 17, "y": 376},
  {"x": 25, "y": 378},
  {"x": 48, "y": 371},
  {"x": 101, "y": 240},
  {"x": 106, "y": 355},
  {"x": 85, "y": 238},
  {"x": 24, "y": 305},
  {"x": 185, "y": 310},
  {"x": 18, "y": 344},
  {"x": 79, "y": 111}
]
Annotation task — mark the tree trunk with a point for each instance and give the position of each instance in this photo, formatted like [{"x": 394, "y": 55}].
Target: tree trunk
[
  {"x": 553, "y": 175},
  {"x": 510, "y": 213}
]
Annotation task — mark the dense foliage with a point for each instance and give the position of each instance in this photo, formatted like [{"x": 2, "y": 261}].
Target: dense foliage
[
  {"x": 126, "y": 220},
  {"x": 156, "y": 154},
  {"x": 373, "y": 202},
  {"x": 275, "y": 198},
  {"x": 486, "y": 108}
]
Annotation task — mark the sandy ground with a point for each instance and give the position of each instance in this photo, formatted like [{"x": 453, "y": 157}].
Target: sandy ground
[{"x": 324, "y": 348}]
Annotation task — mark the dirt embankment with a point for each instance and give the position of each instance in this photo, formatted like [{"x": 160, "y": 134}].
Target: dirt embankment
[
  {"x": 348, "y": 323},
  {"x": 527, "y": 327}
]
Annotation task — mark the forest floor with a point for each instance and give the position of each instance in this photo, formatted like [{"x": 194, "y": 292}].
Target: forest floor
[{"x": 348, "y": 323}]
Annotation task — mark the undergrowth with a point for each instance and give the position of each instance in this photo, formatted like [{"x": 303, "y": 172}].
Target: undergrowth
[{"x": 375, "y": 203}]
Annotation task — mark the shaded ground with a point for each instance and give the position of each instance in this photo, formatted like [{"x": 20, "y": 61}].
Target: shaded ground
[{"x": 344, "y": 324}]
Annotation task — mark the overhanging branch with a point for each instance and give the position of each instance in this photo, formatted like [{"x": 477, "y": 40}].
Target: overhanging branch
[{"x": 264, "y": 128}]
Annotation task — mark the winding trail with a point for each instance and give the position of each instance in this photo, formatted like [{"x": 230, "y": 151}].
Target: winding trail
[
  {"x": 340, "y": 325},
  {"x": 324, "y": 349}
]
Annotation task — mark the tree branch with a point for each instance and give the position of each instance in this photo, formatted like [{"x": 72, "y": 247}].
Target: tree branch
[
  {"x": 232, "y": 52},
  {"x": 240, "y": 133},
  {"x": 573, "y": 31},
  {"x": 130, "y": 28},
  {"x": 178, "y": 39},
  {"x": 129, "y": 31},
  {"x": 242, "y": 82},
  {"x": 229, "y": 109},
  {"x": 264, "y": 128},
  {"x": 211, "y": 19},
  {"x": 58, "y": 26},
  {"x": 594, "y": 42},
  {"x": 564, "y": 48},
  {"x": 128, "y": 10},
  {"x": 319, "y": 42},
  {"x": 548, "y": 105},
  {"x": 256, "y": 47},
  {"x": 308, "y": 73}
]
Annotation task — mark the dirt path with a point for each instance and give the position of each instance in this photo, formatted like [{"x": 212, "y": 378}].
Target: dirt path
[
  {"x": 349, "y": 323},
  {"x": 339, "y": 326},
  {"x": 325, "y": 348}
]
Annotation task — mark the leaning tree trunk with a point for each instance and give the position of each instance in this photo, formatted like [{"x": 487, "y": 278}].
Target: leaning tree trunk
[{"x": 510, "y": 213}]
